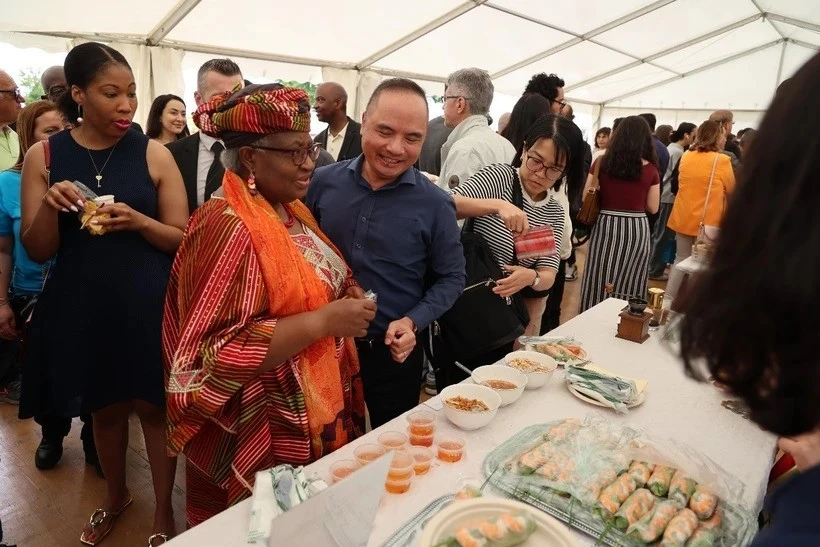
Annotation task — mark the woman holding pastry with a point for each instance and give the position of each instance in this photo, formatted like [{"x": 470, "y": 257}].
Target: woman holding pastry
[
  {"x": 94, "y": 342},
  {"x": 260, "y": 363}
]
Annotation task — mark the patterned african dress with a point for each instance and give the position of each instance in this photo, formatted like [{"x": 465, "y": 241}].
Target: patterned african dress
[{"x": 229, "y": 420}]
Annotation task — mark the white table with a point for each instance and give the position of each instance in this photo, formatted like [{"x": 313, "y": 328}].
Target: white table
[{"x": 675, "y": 406}]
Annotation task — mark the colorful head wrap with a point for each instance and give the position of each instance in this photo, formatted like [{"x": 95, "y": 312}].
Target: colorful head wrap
[{"x": 242, "y": 117}]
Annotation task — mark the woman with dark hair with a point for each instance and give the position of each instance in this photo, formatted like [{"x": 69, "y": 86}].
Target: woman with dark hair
[
  {"x": 166, "y": 119},
  {"x": 704, "y": 172},
  {"x": 542, "y": 159},
  {"x": 260, "y": 362},
  {"x": 94, "y": 344},
  {"x": 601, "y": 140},
  {"x": 758, "y": 338},
  {"x": 620, "y": 240}
]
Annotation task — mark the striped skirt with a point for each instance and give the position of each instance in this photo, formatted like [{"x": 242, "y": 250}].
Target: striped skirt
[{"x": 619, "y": 250}]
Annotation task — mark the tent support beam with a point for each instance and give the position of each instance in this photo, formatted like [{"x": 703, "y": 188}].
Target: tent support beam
[
  {"x": 780, "y": 66},
  {"x": 577, "y": 38},
  {"x": 756, "y": 4},
  {"x": 801, "y": 43},
  {"x": 416, "y": 34},
  {"x": 669, "y": 51},
  {"x": 795, "y": 22},
  {"x": 171, "y": 20},
  {"x": 735, "y": 57}
]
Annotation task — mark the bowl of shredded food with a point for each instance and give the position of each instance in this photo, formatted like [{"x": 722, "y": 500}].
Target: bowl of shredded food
[
  {"x": 506, "y": 381},
  {"x": 536, "y": 366},
  {"x": 470, "y": 406}
]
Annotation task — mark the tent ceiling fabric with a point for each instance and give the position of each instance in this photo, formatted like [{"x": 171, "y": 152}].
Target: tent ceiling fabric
[{"x": 627, "y": 54}]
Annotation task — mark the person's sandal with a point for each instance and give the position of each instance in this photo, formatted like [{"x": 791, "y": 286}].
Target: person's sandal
[
  {"x": 163, "y": 536},
  {"x": 97, "y": 519}
]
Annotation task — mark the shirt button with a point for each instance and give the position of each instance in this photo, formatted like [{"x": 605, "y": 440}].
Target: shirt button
[
  {"x": 358, "y": 245},
  {"x": 364, "y": 219}
]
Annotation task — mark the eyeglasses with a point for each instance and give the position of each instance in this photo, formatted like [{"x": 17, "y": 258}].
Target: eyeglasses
[
  {"x": 14, "y": 93},
  {"x": 562, "y": 103},
  {"x": 536, "y": 166},
  {"x": 457, "y": 97},
  {"x": 298, "y": 155},
  {"x": 53, "y": 92}
]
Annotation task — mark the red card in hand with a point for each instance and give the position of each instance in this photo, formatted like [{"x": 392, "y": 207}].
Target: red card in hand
[{"x": 538, "y": 243}]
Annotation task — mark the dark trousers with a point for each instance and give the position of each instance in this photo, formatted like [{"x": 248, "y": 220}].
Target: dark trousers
[
  {"x": 552, "y": 312},
  {"x": 661, "y": 237},
  {"x": 390, "y": 388},
  {"x": 447, "y": 373}
]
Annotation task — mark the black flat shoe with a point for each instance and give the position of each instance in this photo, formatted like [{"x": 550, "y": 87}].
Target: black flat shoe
[{"x": 48, "y": 453}]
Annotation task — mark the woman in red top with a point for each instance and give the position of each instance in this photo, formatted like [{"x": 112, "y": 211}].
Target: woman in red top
[{"x": 620, "y": 241}]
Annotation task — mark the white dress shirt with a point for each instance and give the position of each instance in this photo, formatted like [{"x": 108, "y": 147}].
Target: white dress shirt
[
  {"x": 204, "y": 161},
  {"x": 334, "y": 144}
]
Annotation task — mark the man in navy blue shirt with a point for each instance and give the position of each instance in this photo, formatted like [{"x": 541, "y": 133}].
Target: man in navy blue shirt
[{"x": 398, "y": 233}]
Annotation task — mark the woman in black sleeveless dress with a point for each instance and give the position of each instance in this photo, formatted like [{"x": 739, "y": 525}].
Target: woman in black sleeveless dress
[{"x": 96, "y": 333}]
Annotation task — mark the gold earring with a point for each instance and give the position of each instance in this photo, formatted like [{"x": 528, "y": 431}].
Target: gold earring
[{"x": 252, "y": 185}]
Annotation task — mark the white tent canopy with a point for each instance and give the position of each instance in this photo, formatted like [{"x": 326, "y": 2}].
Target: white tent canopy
[{"x": 680, "y": 58}]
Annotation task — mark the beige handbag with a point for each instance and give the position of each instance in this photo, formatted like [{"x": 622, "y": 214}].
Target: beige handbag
[{"x": 707, "y": 237}]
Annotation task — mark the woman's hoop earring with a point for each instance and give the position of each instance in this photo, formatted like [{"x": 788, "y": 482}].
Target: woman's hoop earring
[{"x": 252, "y": 185}]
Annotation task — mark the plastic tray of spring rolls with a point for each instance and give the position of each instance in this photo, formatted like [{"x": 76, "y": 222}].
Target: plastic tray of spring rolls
[
  {"x": 409, "y": 534},
  {"x": 499, "y": 467}
]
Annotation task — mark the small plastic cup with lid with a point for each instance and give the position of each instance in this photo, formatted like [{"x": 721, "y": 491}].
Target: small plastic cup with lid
[
  {"x": 342, "y": 468},
  {"x": 450, "y": 449},
  {"x": 367, "y": 453},
  {"x": 423, "y": 459},
  {"x": 393, "y": 440}
]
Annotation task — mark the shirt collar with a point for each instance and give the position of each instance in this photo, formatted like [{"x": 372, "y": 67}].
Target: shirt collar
[
  {"x": 476, "y": 120},
  {"x": 207, "y": 140},
  {"x": 408, "y": 177},
  {"x": 341, "y": 134}
]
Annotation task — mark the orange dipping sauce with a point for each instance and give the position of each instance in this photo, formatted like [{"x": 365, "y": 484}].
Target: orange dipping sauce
[
  {"x": 450, "y": 450},
  {"x": 421, "y": 440},
  {"x": 424, "y": 430},
  {"x": 397, "y": 487}
]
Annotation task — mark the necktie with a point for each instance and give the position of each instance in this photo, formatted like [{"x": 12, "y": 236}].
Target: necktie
[{"x": 213, "y": 179}]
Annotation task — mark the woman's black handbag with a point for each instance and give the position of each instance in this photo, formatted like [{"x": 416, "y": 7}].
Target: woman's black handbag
[{"x": 480, "y": 321}]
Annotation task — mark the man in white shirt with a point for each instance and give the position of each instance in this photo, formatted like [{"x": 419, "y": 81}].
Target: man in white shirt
[
  {"x": 472, "y": 145},
  {"x": 10, "y": 105},
  {"x": 196, "y": 154},
  {"x": 343, "y": 137}
]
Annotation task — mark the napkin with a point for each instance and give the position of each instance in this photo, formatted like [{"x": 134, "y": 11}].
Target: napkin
[
  {"x": 640, "y": 384},
  {"x": 612, "y": 391},
  {"x": 276, "y": 491}
]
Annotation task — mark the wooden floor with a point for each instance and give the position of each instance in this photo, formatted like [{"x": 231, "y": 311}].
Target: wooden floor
[{"x": 48, "y": 508}]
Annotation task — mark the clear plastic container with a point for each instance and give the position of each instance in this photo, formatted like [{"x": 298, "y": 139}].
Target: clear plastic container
[
  {"x": 367, "y": 453},
  {"x": 421, "y": 423},
  {"x": 423, "y": 459},
  {"x": 342, "y": 468},
  {"x": 393, "y": 440},
  {"x": 421, "y": 440},
  {"x": 450, "y": 449}
]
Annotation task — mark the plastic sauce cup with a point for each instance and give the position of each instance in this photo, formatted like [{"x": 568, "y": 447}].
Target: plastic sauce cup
[
  {"x": 450, "y": 449},
  {"x": 367, "y": 453}
]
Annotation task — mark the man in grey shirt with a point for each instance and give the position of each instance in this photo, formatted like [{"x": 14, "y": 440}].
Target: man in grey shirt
[{"x": 681, "y": 139}]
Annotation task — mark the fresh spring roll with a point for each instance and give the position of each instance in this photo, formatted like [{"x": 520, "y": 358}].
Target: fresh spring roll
[
  {"x": 681, "y": 488},
  {"x": 634, "y": 508},
  {"x": 658, "y": 482},
  {"x": 559, "y": 469},
  {"x": 615, "y": 494},
  {"x": 594, "y": 485},
  {"x": 652, "y": 525},
  {"x": 506, "y": 530},
  {"x": 715, "y": 522},
  {"x": 703, "y": 538},
  {"x": 680, "y": 529},
  {"x": 535, "y": 458},
  {"x": 641, "y": 471},
  {"x": 703, "y": 502},
  {"x": 561, "y": 432}
]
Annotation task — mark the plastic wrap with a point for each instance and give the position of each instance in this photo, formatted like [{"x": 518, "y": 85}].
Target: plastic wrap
[
  {"x": 609, "y": 390},
  {"x": 565, "y": 350},
  {"x": 597, "y": 454}
]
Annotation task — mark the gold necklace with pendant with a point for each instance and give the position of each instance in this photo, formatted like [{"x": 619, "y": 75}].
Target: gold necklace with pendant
[{"x": 99, "y": 171}]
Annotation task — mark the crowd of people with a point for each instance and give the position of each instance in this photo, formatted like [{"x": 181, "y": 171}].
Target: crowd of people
[{"x": 259, "y": 294}]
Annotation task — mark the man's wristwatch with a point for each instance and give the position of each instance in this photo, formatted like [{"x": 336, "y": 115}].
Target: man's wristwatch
[{"x": 537, "y": 279}]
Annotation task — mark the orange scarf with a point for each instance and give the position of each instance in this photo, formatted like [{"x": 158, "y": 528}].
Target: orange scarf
[{"x": 293, "y": 287}]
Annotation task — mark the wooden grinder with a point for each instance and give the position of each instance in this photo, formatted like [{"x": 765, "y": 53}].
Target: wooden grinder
[{"x": 634, "y": 323}]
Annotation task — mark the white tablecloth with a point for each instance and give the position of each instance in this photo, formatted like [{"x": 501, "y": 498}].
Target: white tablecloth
[{"x": 675, "y": 406}]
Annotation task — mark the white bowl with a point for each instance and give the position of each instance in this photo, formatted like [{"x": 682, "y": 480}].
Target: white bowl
[
  {"x": 501, "y": 372},
  {"x": 534, "y": 379},
  {"x": 549, "y": 533},
  {"x": 470, "y": 420}
]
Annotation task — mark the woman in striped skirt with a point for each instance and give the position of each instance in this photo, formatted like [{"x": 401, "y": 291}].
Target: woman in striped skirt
[{"x": 620, "y": 241}]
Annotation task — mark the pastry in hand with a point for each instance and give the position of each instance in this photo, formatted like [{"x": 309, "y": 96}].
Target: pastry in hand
[{"x": 87, "y": 214}]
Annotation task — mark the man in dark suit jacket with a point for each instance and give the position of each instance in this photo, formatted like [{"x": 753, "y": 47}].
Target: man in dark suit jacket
[
  {"x": 197, "y": 155},
  {"x": 343, "y": 137}
]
